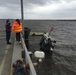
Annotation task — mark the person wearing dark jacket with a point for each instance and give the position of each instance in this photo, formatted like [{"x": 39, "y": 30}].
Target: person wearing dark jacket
[{"x": 8, "y": 31}]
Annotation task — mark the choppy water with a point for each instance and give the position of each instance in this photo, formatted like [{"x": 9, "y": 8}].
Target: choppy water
[{"x": 62, "y": 61}]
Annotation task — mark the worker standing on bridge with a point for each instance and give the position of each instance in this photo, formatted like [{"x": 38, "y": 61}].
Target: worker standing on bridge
[
  {"x": 17, "y": 28},
  {"x": 8, "y": 31}
]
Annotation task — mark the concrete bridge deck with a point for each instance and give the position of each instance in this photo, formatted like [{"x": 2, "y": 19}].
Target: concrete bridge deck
[{"x": 11, "y": 54}]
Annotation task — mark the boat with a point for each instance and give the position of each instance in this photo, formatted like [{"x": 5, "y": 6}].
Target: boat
[{"x": 47, "y": 43}]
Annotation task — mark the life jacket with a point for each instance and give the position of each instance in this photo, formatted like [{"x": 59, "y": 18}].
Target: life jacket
[{"x": 16, "y": 27}]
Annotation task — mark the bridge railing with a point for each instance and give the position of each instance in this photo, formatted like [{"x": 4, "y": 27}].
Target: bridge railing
[{"x": 27, "y": 57}]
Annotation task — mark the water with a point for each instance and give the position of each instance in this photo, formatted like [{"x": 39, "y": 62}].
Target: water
[{"x": 62, "y": 61}]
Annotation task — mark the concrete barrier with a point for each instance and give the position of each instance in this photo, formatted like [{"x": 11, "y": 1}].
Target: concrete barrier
[{"x": 17, "y": 54}]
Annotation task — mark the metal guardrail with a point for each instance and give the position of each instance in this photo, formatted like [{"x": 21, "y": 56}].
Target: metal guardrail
[{"x": 27, "y": 57}]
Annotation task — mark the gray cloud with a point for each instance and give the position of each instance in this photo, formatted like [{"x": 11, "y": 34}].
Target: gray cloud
[
  {"x": 39, "y": 2},
  {"x": 38, "y": 9}
]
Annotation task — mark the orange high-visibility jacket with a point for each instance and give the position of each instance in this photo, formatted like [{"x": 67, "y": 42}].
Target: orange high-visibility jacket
[{"x": 16, "y": 27}]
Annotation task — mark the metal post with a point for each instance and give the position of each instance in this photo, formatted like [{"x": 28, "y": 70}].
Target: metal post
[{"x": 22, "y": 16}]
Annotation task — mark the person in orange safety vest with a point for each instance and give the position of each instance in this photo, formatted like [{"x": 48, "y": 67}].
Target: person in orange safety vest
[{"x": 17, "y": 28}]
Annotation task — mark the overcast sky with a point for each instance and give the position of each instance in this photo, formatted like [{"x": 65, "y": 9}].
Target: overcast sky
[{"x": 38, "y": 9}]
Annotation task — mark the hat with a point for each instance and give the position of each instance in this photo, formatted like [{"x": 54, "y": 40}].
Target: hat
[{"x": 7, "y": 21}]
